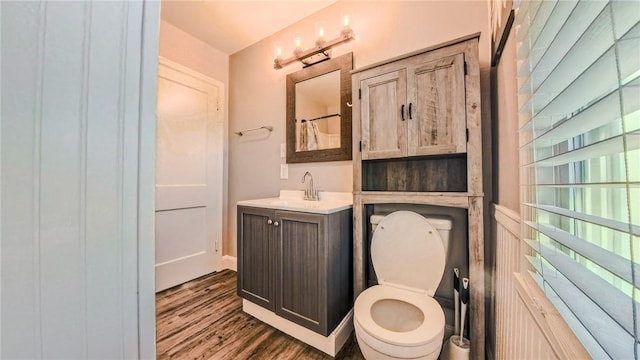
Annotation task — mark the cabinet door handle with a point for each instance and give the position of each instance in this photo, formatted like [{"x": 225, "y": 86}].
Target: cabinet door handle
[
  {"x": 276, "y": 224},
  {"x": 402, "y": 111},
  {"x": 410, "y": 110},
  {"x": 269, "y": 221}
]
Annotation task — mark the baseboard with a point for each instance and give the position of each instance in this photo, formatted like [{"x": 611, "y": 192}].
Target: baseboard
[
  {"x": 329, "y": 344},
  {"x": 229, "y": 262}
]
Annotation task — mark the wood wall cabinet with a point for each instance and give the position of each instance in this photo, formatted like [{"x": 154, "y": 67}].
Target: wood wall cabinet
[
  {"x": 297, "y": 264},
  {"x": 416, "y": 109},
  {"x": 417, "y": 140}
]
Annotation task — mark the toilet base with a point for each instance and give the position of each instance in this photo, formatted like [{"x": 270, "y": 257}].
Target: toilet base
[{"x": 370, "y": 353}]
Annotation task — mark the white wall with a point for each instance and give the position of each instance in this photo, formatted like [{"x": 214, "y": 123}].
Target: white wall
[
  {"x": 258, "y": 94},
  {"x": 77, "y": 170}
]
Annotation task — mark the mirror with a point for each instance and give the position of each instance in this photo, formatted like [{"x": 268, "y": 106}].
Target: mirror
[{"x": 319, "y": 112}]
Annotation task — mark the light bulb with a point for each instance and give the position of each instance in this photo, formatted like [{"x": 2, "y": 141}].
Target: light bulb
[
  {"x": 297, "y": 40},
  {"x": 277, "y": 50},
  {"x": 320, "y": 33},
  {"x": 346, "y": 22}
]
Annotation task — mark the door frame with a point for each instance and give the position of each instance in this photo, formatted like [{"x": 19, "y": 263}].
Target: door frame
[{"x": 215, "y": 169}]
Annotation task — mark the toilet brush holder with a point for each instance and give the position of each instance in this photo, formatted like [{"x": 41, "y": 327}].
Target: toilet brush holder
[{"x": 456, "y": 348}]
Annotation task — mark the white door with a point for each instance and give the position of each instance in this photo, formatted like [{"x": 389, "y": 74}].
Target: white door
[{"x": 188, "y": 175}]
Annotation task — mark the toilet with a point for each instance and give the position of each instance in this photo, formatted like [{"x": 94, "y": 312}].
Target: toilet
[{"x": 399, "y": 318}]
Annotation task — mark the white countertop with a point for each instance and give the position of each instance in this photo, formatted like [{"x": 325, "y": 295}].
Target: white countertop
[{"x": 293, "y": 200}]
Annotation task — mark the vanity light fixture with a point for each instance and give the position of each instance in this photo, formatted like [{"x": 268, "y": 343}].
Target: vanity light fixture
[{"x": 322, "y": 47}]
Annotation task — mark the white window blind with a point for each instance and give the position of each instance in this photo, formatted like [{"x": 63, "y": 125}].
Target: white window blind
[{"x": 579, "y": 99}]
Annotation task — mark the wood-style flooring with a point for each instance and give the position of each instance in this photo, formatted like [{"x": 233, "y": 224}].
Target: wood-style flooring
[{"x": 203, "y": 319}]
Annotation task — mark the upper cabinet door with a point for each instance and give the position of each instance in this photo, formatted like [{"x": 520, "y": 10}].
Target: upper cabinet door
[
  {"x": 436, "y": 107},
  {"x": 384, "y": 132}
]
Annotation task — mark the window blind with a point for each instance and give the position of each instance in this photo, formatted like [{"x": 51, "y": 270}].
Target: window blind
[{"x": 579, "y": 118}]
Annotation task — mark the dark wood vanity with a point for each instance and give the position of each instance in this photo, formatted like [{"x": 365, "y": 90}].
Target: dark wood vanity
[{"x": 297, "y": 265}]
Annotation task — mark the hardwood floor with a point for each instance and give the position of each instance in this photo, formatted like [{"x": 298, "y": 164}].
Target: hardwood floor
[{"x": 203, "y": 319}]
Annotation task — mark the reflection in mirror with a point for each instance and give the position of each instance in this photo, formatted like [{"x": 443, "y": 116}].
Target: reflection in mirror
[{"x": 318, "y": 112}]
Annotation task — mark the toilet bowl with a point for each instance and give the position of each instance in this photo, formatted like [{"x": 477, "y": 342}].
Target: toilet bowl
[{"x": 399, "y": 319}]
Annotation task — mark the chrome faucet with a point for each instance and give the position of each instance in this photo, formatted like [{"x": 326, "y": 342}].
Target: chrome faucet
[{"x": 309, "y": 193}]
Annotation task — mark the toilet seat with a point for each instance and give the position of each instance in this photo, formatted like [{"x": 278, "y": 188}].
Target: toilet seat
[{"x": 423, "y": 340}]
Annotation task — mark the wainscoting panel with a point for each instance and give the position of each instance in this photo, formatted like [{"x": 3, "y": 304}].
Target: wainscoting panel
[
  {"x": 72, "y": 207},
  {"x": 517, "y": 334}
]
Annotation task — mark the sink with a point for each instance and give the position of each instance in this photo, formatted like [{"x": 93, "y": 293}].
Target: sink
[{"x": 293, "y": 200}]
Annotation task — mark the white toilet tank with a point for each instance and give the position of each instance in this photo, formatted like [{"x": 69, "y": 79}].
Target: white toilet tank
[{"x": 441, "y": 223}]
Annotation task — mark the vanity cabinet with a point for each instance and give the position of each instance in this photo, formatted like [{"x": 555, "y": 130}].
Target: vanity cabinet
[
  {"x": 297, "y": 264},
  {"x": 414, "y": 106},
  {"x": 417, "y": 139}
]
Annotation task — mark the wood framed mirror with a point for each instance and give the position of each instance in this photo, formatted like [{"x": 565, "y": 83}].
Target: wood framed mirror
[{"x": 319, "y": 112}]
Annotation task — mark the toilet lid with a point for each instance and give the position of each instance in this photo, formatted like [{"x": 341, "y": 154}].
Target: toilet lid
[{"x": 407, "y": 250}]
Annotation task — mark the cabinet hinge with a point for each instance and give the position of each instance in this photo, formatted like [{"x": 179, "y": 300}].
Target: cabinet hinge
[
  {"x": 360, "y": 93},
  {"x": 467, "y": 132},
  {"x": 360, "y": 146},
  {"x": 465, "y": 68}
]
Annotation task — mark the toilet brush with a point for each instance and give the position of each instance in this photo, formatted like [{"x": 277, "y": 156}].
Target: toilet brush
[
  {"x": 464, "y": 298},
  {"x": 456, "y": 299}
]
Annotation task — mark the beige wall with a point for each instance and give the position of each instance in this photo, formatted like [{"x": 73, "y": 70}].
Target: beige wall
[
  {"x": 257, "y": 91},
  {"x": 505, "y": 139},
  {"x": 181, "y": 47},
  {"x": 505, "y": 171}
]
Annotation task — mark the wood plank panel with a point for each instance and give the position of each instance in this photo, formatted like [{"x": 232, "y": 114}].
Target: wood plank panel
[
  {"x": 20, "y": 144},
  {"x": 104, "y": 171},
  {"x": 476, "y": 276},
  {"x": 419, "y": 174},
  {"x": 339, "y": 250},
  {"x": 62, "y": 182},
  {"x": 75, "y": 115},
  {"x": 437, "y": 96},
  {"x": 301, "y": 271},
  {"x": 384, "y": 132},
  {"x": 256, "y": 249},
  {"x": 203, "y": 319}
]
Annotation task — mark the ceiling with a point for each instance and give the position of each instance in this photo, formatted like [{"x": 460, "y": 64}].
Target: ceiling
[{"x": 232, "y": 25}]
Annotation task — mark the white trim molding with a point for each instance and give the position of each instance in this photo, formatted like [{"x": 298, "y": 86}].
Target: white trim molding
[
  {"x": 229, "y": 262},
  {"x": 329, "y": 344},
  {"x": 507, "y": 218}
]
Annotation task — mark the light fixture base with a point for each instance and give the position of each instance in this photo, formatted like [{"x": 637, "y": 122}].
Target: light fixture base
[{"x": 317, "y": 54}]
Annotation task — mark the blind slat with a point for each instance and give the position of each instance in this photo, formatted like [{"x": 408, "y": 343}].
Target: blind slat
[
  {"x": 612, "y": 301},
  {"x": 537, "y": 26},
  {"x": 614, "y": 185},
  {"x": 611, "y": 224},
  {"x": 594, "y": 42},
  {"x": 559, "y": 102},
  {"x": 603, "y": 111},
  {"x": 541, "y": 45},
  {"x": 579, "y": 20},
  {"x": 594, "y": 347},
  {"x": 614, "y": 263},
  {"x": 598, "y": 149}
]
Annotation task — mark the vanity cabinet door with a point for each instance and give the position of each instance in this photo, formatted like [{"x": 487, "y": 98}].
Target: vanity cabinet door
[
  {"x": 383, "y": 115},
  {"x": 256, "y": 251},
  {"x": 437, "y": 113},
  {"x": 301, "y": 269}
]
